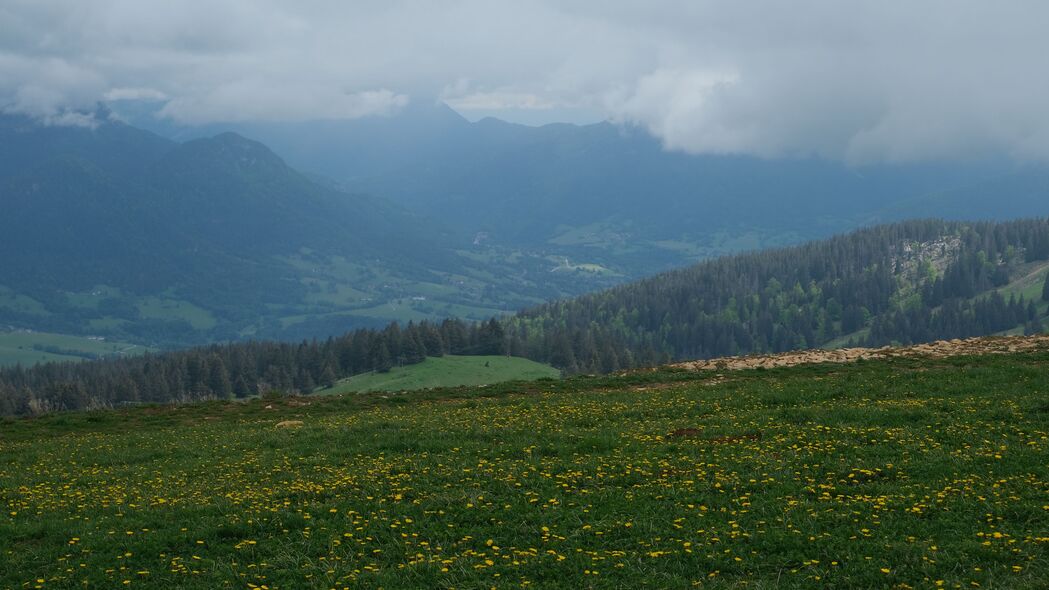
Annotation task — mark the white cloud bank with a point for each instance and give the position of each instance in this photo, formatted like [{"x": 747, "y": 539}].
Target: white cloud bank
[{"x": 859, "y": 81}]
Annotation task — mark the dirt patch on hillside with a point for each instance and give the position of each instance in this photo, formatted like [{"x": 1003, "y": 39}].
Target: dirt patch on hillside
[{"x": 940, "y": 349}]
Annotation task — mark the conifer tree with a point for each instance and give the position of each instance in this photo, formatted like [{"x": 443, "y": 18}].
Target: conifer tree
[{"x": 380, "y": 358}]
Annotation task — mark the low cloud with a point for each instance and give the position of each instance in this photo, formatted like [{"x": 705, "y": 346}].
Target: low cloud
[
  {"x": 240, "y": 101},
  {"x": 861, "y": 82},
  {"x": 498, "y": 100},
  {"x": 150, "y": 94},
  {"x": 46, "y": 86}
]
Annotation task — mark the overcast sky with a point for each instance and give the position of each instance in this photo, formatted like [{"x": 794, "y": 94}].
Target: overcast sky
[{"x": 859, "y": 81}]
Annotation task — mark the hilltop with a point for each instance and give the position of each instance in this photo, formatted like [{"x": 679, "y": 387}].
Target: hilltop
[
  {"x": 896, "y": 284},
  {"x": 905, "y": 471}
]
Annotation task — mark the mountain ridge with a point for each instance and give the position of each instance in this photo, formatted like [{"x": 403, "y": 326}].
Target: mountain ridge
[
  {"x": 612, "y": 194},
  {"x": 222, "y": 224}
]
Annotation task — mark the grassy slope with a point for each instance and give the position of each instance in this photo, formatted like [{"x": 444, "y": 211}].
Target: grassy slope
[
  {"x": 159, "y": 308},
  {"x": 897, "y": 473},
  {"x": 842, "y": 341},
  {"x": 1028, "y": 285},
  {"x": 17, "y": 347},
  {"x": 448, "y": 371}
]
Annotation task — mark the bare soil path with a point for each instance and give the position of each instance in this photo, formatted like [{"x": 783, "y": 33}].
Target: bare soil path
[{"x": 939, "y": 349}]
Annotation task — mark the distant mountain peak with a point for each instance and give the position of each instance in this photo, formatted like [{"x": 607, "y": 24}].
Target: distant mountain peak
[
  {"x": 434, "y": 110},
  {"x": 232, "y": 149},
  {"x": 243, "y": 146},
  {"x": 232, "y": 138}
]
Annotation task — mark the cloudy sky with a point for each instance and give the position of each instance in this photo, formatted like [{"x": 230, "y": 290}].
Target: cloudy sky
[{"x": 859, "y": 81}]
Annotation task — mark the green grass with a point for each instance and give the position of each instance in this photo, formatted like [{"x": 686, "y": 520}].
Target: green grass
[
  {"x": 19, "y": 303},
  {"x": 1029, "y": 284},
  {"x": 856, "y": 337},
  {"x": 93, "y": 297},
  {"x": 20, "y": 355},
  {"x": 106, "y": 324},
  {"x": 600, "y": 234},
  {"x": 159, "y": 308},
  {"x": 883, "y": 474},
  {"x": 563, "y": 264},
  {"x": 341, "y": 287},
  {"x": 18, "y": 347},
  {"x": 448, "y": 371}
]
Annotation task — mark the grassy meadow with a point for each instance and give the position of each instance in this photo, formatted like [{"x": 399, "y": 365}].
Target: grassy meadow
[
  {"x": 447, "y": 371},
  {"x": 904, "y": 473},
  {"x": 30, "y": 348}
]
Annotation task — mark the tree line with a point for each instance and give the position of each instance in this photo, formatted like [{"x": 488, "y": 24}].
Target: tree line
[{"x": 238, "y": 370}]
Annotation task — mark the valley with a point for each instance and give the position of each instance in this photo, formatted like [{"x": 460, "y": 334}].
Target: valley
[
  {"x": 213, "y": 237},
  {"x": 27, "y": 348},
  {"x": 216, "y": 239},
  {"x": 898, "y": 284}
]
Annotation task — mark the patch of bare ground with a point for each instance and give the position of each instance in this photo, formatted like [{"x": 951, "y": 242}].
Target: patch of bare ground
[{"x": 939, "y": 349}]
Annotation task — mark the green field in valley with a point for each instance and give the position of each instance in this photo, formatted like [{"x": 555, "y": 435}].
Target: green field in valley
[
  {"x": 1029, "y": 285},
  {"x": 448, "y": 371},
  {"x": 29, "y": 348},
  {"x": 898, "y": 473}
]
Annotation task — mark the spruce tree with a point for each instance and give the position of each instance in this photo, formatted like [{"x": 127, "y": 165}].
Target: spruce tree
[
  {"x": 328, "y": 377},
  {"x": 381, "y": 360},
  {"x": 1045, "y": 289},
  {"x": 218, "y": 378}
]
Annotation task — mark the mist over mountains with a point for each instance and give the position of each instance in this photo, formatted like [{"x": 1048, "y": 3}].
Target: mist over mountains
[
  {"x": 179, "y": 235},
  {"x": 114, "y": 230},
  {"x": 616, "y": 190}
]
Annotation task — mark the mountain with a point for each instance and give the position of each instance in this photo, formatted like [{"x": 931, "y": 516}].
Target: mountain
[
  {"x": 612, "y": 197},
  {"x": 344, "y": 149},
  {"x": 614, "y": 194},
  {"x": 114, "y": 148},
  {"x": 1017, "y": 192},
  {"x": 902, "y": 283},
  {"x": 115, "y": 231},
  {"x": 191, "y": 210}
]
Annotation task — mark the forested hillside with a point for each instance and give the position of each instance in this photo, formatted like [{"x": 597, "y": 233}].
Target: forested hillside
[
  {"x": 112, "y": 231},
  {"x": 613, "y": 195},
  {"x": 240, "y": 369},
  {"x": 909, "y": 282},
  {"x": 903, "y": 283}
]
